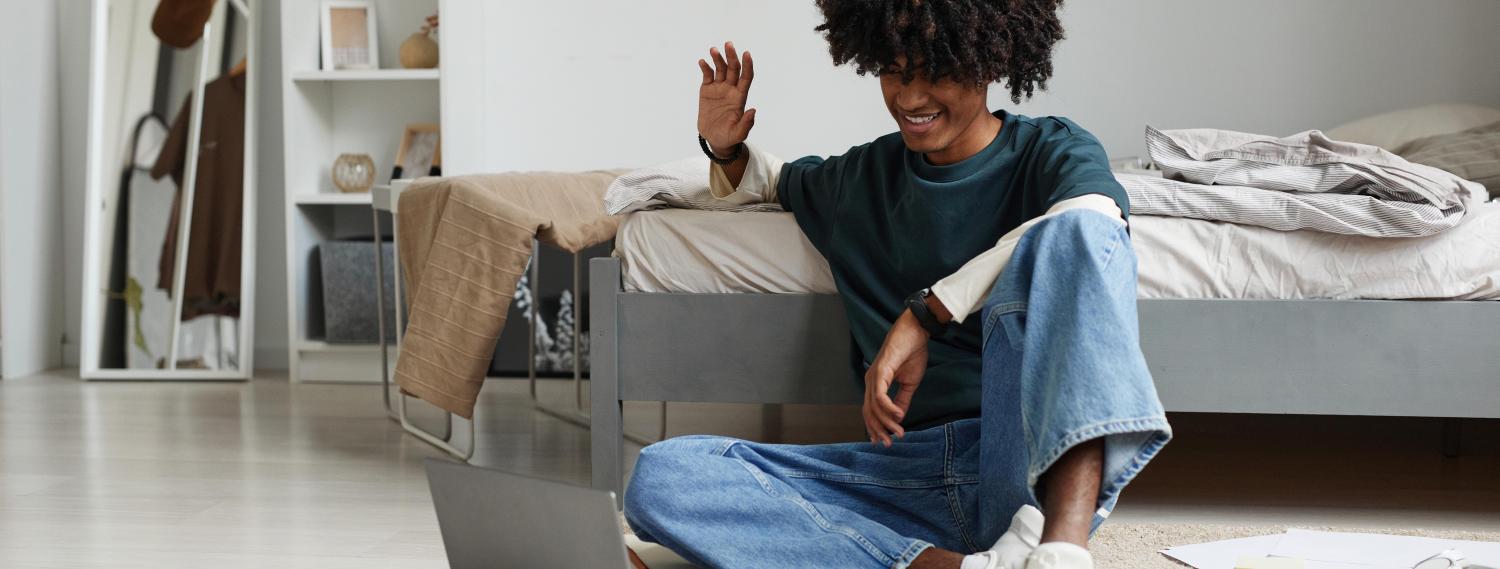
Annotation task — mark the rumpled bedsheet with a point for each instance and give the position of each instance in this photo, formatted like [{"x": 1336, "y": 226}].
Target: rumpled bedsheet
[{"x": 1303, "y": 181}]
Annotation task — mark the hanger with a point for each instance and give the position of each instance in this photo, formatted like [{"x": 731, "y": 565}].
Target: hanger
[{"x": 239, "y": 68}]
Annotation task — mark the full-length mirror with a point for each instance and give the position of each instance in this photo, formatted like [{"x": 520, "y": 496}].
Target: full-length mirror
[{"x": 169, "y": 250}]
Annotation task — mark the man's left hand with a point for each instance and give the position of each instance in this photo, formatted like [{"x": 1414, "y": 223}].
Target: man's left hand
[{"x": 902, "y": 360}]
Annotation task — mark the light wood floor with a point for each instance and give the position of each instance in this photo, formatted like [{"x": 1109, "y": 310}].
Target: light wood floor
[{"x": 267, "y": 474}]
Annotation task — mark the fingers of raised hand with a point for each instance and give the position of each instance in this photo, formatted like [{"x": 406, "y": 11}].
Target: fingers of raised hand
[
  {"x": 721, "y": 67},
  {"x": 733, "y": 77},
  {"x": 747, "y": 72},
  {"x": 708, "y": 72},
  {"x": 746, "y": 122}
]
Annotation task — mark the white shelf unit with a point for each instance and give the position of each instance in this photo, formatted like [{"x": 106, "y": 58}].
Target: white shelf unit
[
  {"x": 324, "y": 198},
  {"x": 325, "y": 114},
  {"x": 367, "y": 75}
]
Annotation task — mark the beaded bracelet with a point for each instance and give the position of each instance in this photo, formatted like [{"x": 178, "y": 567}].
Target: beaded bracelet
[{"x": 720, "y": 161}]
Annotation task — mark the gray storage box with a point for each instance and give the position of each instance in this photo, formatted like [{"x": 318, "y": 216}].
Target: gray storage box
[{"x": 348, "y": 271}]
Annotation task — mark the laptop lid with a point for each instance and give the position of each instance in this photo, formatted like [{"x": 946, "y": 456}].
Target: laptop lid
[{"x": 490, "y": 519}]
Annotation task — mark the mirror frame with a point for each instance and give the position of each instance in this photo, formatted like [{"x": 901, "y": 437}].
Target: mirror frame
[{"x": 92, "y": 313}]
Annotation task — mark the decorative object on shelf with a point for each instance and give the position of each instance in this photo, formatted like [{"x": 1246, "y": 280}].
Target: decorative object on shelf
[
  {"x": 421, "y": 152},
  {"x": 348, "y": 39},
  {"x": 354, "y": 173},
  {"x": 420, "y": 51}
]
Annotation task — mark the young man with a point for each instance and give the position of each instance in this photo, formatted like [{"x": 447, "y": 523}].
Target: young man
[{"x": 1043, "y": 400}]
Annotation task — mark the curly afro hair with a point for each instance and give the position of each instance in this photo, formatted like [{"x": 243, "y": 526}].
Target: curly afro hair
[{"x": 978, "y": 42}]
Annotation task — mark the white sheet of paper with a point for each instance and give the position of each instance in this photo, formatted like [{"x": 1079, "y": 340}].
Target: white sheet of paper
[
  {"x": 655, "y": 556},
  {"x": 1223, "y": 554},
  {"x": 1375, "y": 550}
]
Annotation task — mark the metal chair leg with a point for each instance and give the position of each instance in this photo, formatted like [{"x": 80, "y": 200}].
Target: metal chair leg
[
  {"x": 385, "y": 360},
  {"x": 398, "y": 414},
  {"x": 531, "y": 327},
  {"x": 442, "y": 443},
  {"x": 578, "y": 416}
]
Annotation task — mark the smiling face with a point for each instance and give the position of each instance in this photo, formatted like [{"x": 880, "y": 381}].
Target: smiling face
[{"x": 946, "y": 120}]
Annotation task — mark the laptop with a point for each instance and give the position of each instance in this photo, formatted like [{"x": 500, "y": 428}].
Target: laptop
[{"x": 494, "y": 519}]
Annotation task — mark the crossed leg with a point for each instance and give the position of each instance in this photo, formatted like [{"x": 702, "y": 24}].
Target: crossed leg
[
  {"x": 1069, "y": 416},
  {"x": 1071, "y": 493}
]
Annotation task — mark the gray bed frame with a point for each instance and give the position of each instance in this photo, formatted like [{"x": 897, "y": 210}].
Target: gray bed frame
[{"x": 1321, "y": 357}]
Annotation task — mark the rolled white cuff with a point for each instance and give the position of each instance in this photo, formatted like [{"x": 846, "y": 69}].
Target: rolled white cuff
[
  {"x": 758, "y": 185},
  {"x": 964, "y": 291}
]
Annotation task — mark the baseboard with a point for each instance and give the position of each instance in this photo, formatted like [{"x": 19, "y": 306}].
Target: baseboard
[{"x": 266, "y": 357}]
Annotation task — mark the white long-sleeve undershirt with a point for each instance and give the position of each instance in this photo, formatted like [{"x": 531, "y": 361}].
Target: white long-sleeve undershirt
[{"x": 962, "y": 292}]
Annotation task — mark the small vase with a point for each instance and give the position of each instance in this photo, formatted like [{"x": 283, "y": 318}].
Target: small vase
[
  {"x": 354, "y": 173},
  {"x": 419, "y": 52}
]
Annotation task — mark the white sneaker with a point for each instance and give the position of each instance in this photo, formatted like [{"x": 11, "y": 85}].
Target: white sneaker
[
  {"x": 1059, "y": 555},
  {"x": 1013, "y": 547}
]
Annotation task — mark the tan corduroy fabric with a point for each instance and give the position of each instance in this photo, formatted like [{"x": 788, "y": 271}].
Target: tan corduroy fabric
[{"x": 464, "y": 243}]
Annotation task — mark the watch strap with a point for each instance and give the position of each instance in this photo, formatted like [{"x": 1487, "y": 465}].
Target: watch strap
[{"x": 917, "y": 304}]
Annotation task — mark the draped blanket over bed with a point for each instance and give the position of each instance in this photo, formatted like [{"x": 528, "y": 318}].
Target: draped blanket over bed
[
  {"x": 465, "y": 241},
  {"x": 1303, "y": 181}
]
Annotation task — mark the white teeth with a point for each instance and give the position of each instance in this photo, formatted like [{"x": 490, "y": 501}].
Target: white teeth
[{"x": 920, "y": 120}]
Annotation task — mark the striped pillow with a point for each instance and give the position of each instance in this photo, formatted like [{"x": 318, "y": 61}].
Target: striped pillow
[{"x": 681, "y": 184}]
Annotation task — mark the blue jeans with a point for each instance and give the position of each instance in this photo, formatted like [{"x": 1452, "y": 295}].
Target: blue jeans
[{"x": 1061, "y": 365}]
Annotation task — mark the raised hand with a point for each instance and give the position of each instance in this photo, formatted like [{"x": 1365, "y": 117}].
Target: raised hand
[{"x": 722, "y": 118}]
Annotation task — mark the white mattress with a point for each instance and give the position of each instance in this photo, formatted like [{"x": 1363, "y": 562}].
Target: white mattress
[{"x": 724, "y": 252}]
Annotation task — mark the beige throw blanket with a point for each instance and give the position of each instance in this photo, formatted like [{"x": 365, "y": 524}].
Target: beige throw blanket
[{"x": 465, "y": 241}]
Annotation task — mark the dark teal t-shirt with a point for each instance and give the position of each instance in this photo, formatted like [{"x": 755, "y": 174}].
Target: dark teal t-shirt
[{"x": 890, "y": 224}]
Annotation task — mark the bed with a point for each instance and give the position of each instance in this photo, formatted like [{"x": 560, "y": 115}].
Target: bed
[{"x": 1234, "y": 319}]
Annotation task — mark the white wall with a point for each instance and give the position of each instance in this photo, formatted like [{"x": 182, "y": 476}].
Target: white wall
[
  {"x": 270, "y": 277},
  {"x": 270, "y": 233},
  {"x": 598, "y": 83},
  {"x": 30, "y": 205},
  {"x": 73, "y": 63}
]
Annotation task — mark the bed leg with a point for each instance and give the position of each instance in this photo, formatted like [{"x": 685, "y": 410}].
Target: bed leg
[
  {"x": 606, "y": 436},
  {"x": 1452, "y": 437}
]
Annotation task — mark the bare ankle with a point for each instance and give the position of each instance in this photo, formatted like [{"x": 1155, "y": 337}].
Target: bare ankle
[
  {"x": 1080, "y": 541},
  {"x": 1072, "y": 493},
  {"x": 935, "y": 558}
]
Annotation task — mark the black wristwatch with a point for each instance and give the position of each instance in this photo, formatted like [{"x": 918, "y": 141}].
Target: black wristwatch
[{"x": 917, "y": 304}]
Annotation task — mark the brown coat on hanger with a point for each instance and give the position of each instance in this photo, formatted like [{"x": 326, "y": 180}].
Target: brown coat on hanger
[{"x": 179, "y": 23}]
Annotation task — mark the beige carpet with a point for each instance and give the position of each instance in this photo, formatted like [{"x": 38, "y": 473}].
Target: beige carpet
[{"x": 1132, "y": 546}]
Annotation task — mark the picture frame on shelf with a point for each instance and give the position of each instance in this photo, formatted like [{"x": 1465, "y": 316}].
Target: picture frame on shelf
[
  {"x": 420, "y": 153},
  {"x": 349, "y": 38}
]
